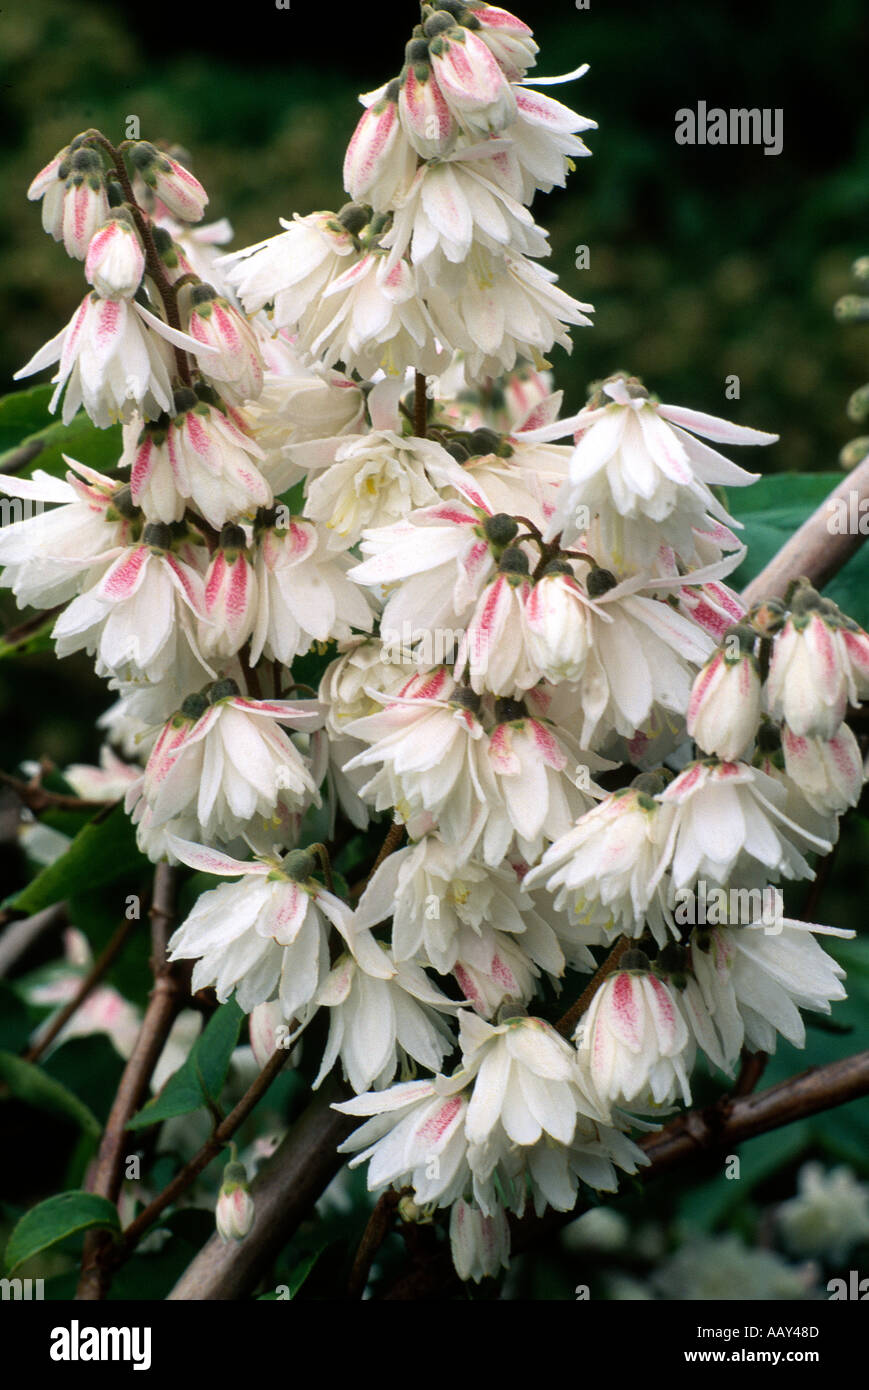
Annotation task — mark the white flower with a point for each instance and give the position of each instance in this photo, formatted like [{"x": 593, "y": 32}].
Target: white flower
[
  {"x": 480, "y": 1245},
  {"x": 380, "y": 161},
  {"x": 495, "y": 643},
  {"x": 605, "y": 868},
  {"x": 541, "y": 787},
  {"x": 415, "y": 1138},
  {"x": 817, "y": 667},
  {"x": 372, "y": 318},
  {"x": 558, "y": 624},
  {"x": 305, "y": 595},
  {"x": 725, "y": 706},
  {"x": 236, "y": 363},
  {"x": 526, "y": 1084},
  {"x": 451, "y": 213},
  {"x": 46, "y": 556},
  {"x": 641, "y": 654},
  {"x": 508, "y": 309},
  {"x": 374, "y": 1020},
  {"x": 434, "y": 754},
  {"x": 375, "y": 480},
  {"x": 642, "y": 458},
  {"x": 526, "y": 1094},
  {"x": 828, "y": 771},
  {"x": 768, "y": 975},
  {"x": 115, "y": 260},
  {"x": 230, "y": 597},
  {"x": 635, "y": 1042},
  {"x": 226, "y": 763},
  {"x": 299, "y": 404},
  {"x": 50, "y": 186},
  {"x": 291, "y": 270},
  {"x": 730, "y": 825},
  {"x": 266, "y": 937},
  {"x": 544, "y": 141},
  {"x": 113, "y": 360},
  {"x": 462, "y": 916},
  {"x": 201, "y": 456},
  {"x": 108, "y": 782},
  {"x": 365, "y": 663},
  {"x": 829, "y": 1216},
  {"x": 267, "y": 1030},
  {"x": 139, "y": 616}
]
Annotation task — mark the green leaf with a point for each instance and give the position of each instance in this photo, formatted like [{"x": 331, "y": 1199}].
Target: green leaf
[
  {"x": 49, "y": 439},
  {"x": 57, "y": 1218},
  {"x": 31, "y": 640},
  {"x": 771, "y": 510},
  {"x": 32, "y": 1085},
  {"x": 201, "y": 1077},
  {"x": 104, "y": 851},
  {"x": 23, "y": 414}
]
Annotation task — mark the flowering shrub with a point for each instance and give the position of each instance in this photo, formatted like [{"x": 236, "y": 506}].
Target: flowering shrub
[{"x": 449, "y": 686}]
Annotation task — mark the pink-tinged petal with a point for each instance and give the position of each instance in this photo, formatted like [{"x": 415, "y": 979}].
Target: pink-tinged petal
[
  {"x": 124, "y": 576},
  {"x": 548, "y": 746},
  {"x": 187, "y": 582},
  {"x": 624, "y": 1010},
  {"x": 211, "y": 861},
  {"x": 711, "y": 427},
  {"x": 285, "y": 711},
  {"x": 504, "y": 760}
]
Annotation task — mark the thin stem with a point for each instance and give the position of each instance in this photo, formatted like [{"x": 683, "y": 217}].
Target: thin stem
[
  {"x": 223, "y": 1133},
  {"x": 375, "y": 1233},
  {"x": 99, "y": 968},
  {"x": 37, "y": 799},
  {"x": 420, "y": 406},
  {"x": 170, "y": 992},
  {"x": 153, "y": 263},
  {"x": 567, "y": 1023}
]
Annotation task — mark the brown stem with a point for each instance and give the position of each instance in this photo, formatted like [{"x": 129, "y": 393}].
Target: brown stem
[
  {"x": 284, "y": 1191},
  {"x": 30, "y": 625},
  {"x": 718, "y": 1128},
  {"x": 567, "y": 1023},
  {"x": 210, "y": 1149},
  {"x": 18, "y": 937},
  {"x": 375, "y": 1233},
  {"x": 751, "y": 1070},
  {"x": 89, "y": 981},
  {"x": 171, "y": 990},
  {"x": 24, "y": 454},
  {"x": 153, "y": 264},
  {"x": 420, "y": 407},
  {"x": 392, "y": 841},
  {"x": 37, "y": 799},
  {"x": 814, "y": 550}
]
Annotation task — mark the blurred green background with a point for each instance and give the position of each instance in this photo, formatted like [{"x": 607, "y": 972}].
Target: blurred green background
[{"x": 705, "y": 262}]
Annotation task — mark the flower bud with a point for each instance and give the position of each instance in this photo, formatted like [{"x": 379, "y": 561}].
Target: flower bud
[
  {"x": 230, "y": 596},
  {"x": 473, "y": 85},
  {"x": 235, "y": 1209},
  {"x": 174, "y": 185},
  {"x": 828, "y": 772},
  {"x": 724, "y": 709},
  {"x": 236, "y": 363},
  {"x": 427, "y": 120},
  {"x": 264, "y": 1022},
  {"x": 115, "y": 260},
  {"x": 379, "y": 165},
  {"x": 85, "y": 204},
  {"x": 557, "y": 615}
]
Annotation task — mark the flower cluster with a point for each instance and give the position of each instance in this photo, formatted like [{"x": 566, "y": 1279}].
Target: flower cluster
[{"x": 342, "y": 444}]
